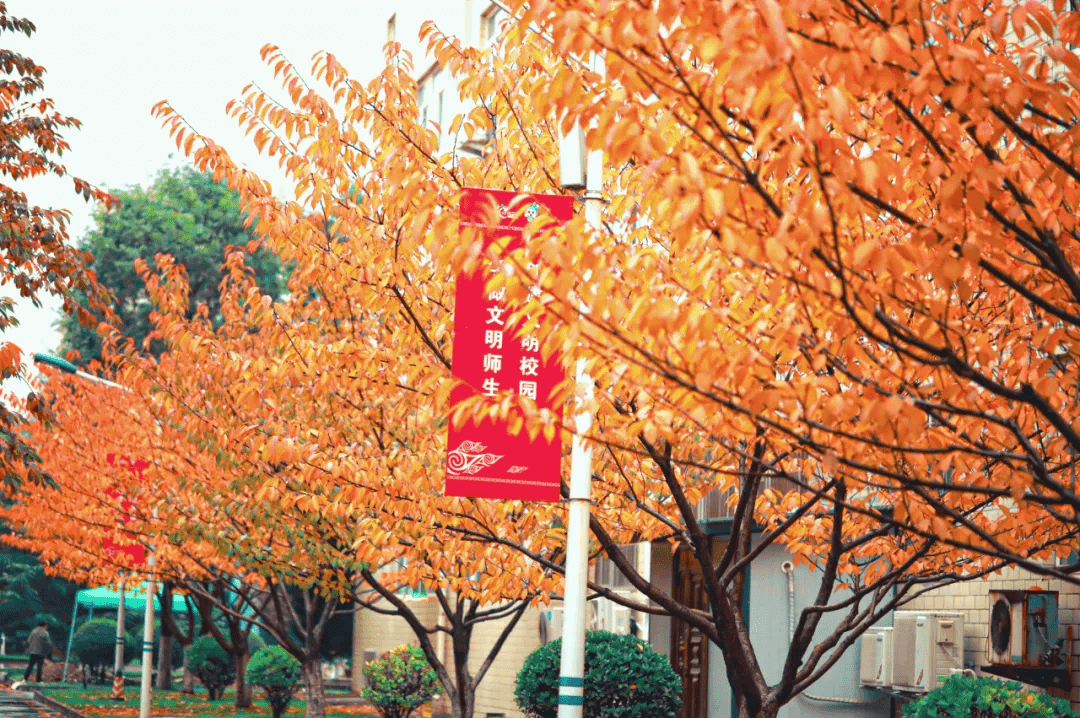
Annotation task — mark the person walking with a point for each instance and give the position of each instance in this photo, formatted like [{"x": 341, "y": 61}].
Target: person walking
[{"x": 38, "y": 646}]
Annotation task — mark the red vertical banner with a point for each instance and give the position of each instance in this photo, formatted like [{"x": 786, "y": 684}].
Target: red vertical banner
[
  {"x": 483, "y": 459},
  {"x": 136, "y": 552}
]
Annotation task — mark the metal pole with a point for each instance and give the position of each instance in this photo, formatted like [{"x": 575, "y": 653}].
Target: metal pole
[
  {"x": 65, "y": 366},
  {"x": 118, "y": 666},
  {"x": 71, "y": 635},
  {"x": 572, "y": 656},
  {"x": 148, "y": 640},
  {"x": 356, "y": 678}
]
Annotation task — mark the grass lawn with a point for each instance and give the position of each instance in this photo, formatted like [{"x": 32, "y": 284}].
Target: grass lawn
[{"x": 95, "y": 701}]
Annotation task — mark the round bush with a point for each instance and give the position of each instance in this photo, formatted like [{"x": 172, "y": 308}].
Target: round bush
[
  {"x": 255, "y": 643},
  {"x": 276, "y": 671},
  {"x": 982, "y": 697},
  {"x": 211, "y": 665},
  {"x": 624, "y": 678},
  {"x": 94, "y": 644},
  {"x": 400, "y": 681},
  {"x": 275, "y": 667}
]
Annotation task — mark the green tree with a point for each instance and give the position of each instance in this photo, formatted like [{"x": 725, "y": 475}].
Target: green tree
[
  {"x": 183, "y": 213},
  {"x": 28, "y": 596}
]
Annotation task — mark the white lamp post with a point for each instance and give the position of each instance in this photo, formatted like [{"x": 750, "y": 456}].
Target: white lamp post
[
  {"x": 118, "y": 665},
  {"x": 576, "y": 169}
]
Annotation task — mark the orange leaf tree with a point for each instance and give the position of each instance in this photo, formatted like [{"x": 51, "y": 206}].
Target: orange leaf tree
[
  {"x": 837, "y": 281},
  {"x": 758, "y": 157},
  {"x": 90, "y": 505},
  {"x": 374, "y": 238},
  {"x": 330, "y": 397},
  {"x": 36, "y": 256}
]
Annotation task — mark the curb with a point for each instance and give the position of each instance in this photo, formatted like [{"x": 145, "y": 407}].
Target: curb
[{"x": 55, "y": 706}]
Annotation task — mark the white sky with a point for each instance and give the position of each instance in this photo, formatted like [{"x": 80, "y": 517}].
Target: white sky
[{"x": 109, "y": 61}]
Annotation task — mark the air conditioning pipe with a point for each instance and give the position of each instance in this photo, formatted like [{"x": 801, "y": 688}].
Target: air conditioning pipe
[{"x": 789, "y": 568}]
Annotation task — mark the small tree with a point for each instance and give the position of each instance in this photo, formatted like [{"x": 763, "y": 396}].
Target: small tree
[
  {"x": 624, "y": 677},
  {"x": 277, "y": 672},
  {"x": 400, "y": 681},
  {"x": 94, "y": 644},
  {"x": 967, "y": 697},
  {"x": 211, "y": 665}
]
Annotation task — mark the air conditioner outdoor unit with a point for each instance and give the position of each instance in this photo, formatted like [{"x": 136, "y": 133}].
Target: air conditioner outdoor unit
[
  {"x": 1024, "y": 629},
  {"x": 927, "y": 647},
  {"x": 620, "y": 620},
  {"x": 550, "y": 624},
  {"x": 875, "y": 657},
  {"x": 606, "y": 615},
  {"x": 600, "y": 615}
]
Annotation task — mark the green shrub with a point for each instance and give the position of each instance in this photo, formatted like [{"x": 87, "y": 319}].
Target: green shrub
[
  {"x": 255, "y": 643},
  {"x": 210, "y": 663},
  {"x": 624, "y": 678},
  {"x": 400, "y": 681},
  {"x": 277, "y": 672},
  {"x": 967, "y": 697},
  {"x": 94, "y": 644}
]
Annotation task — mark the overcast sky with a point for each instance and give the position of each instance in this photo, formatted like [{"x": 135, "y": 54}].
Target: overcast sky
[{"x": 109, "y": 61}]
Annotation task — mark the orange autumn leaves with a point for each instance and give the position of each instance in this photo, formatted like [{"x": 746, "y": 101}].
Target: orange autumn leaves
[
  {"x": 858, "y": 242},
  {"x": 842, "y": 233}
]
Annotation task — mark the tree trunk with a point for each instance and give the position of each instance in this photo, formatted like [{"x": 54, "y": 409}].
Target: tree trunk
[
  {"x": 243, "y": 690},
  {"x": 356, "y": 676},
  {"x": 464, "y": 698},
  {"x": 164, "y": 671},
  {"x": 463, "y": 702},
  {"x": 768, "y": 709},
  {"x": 313, "y": 689},
  {"x": 189, "y": 677}
]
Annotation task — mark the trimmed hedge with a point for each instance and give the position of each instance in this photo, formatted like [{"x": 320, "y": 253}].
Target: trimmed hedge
[
  {"x": 94, "y": 644},
  {"x": 624, "y": 678}
]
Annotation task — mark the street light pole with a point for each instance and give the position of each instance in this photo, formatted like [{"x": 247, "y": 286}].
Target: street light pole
[
  {"x": 148, "y": 620},
  {"x": 148, "y": 642},
  {"x": 572, "y": 656},
  {"x": 118, "y": 666},
  {"x": 67, "y": 367}
]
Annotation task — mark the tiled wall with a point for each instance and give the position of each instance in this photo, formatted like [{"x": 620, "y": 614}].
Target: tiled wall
[
  {"x": 496, "y": 692},
  {"x": 973, "y": 599}
]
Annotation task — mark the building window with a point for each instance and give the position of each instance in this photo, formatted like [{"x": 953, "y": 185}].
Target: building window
[
  {"x": 489, "y": 23},
  {"x": 440, "y": 113},
  {"x": 425, "y": 94},
  {"x": 608, "y": 575}
]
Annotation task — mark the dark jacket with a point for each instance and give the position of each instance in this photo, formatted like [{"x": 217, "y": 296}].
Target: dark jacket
[{"x": 39, "y": 644}]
